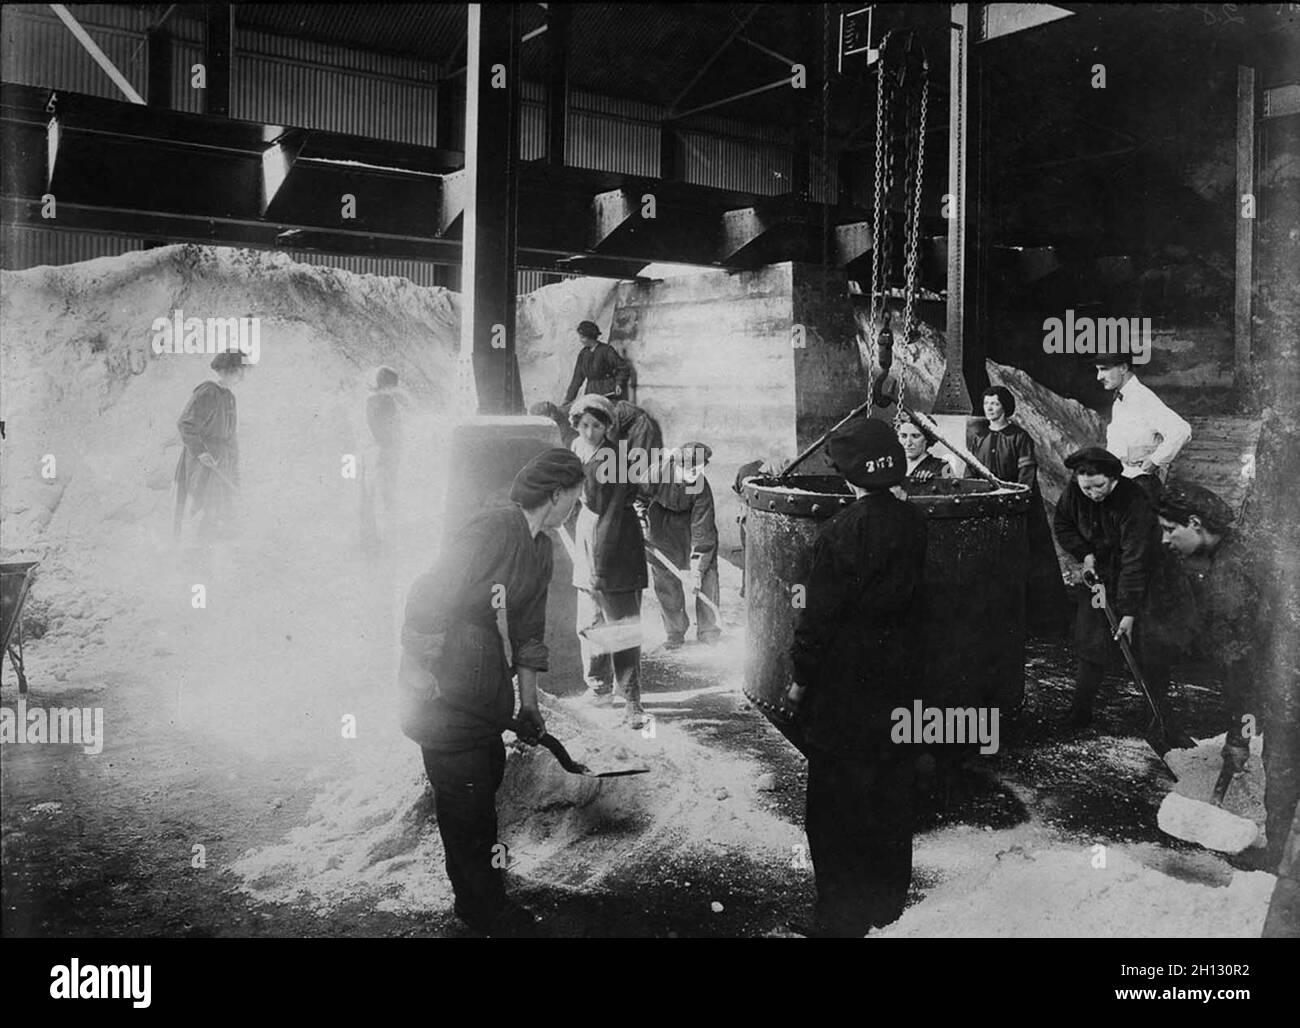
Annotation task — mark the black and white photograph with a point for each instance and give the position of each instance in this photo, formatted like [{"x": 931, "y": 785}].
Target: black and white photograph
[{"x": 650, "y": 471}]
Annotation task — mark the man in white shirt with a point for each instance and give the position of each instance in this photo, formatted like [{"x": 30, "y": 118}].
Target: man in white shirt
[{"x": 1143, "y": 433}]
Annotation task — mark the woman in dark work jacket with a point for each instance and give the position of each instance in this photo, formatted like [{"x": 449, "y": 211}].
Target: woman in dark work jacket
[
  {"x": 1007, "y": 450},
  {"x": 610, "y": 569},
  {"x": 456, "y": 691}
]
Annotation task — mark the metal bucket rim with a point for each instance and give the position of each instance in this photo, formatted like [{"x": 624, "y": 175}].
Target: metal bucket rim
[{"x": 761, "y": 493}]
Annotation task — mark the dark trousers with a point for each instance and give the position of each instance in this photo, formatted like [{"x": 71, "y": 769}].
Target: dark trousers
[
  {"x": 859, "y": 824},
  {"x": 1151, "y": 485},
  {"x": 603, "y": 669},
  {"x": 464, "y": 790},
  {"x": 672, "y": 602},
  {"x": 1096, "y": 651},
  {"x": 1089, "y": 675}
]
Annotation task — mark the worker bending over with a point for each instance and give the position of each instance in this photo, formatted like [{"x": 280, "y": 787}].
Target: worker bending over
[{"x": 682, "y": 527}]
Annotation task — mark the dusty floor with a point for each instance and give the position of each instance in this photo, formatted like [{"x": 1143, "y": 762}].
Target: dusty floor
[{"x": 239, "y": 762}]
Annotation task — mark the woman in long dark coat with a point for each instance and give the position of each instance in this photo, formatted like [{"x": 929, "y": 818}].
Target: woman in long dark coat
[
  {"x": 1007, "y": 450},
  {"x": 207, "y": 473},
  {"x": 610, "y": 571}
]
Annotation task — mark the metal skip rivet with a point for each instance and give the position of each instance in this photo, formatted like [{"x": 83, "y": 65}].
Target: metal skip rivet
[{"x": 816, "y": 508}]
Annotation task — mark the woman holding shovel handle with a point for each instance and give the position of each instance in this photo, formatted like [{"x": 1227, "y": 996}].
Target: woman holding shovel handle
[
  {"x": 1239, "y": 623},
  {"x": 609, "y": 568},
  {"x": 1107, "y": 524},
  {"x": 456, "y": 692}
]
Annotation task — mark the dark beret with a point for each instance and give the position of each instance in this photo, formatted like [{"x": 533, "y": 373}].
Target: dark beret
[
  {"x": 589, "y": 329},
  {"x": 551, "y": 469},
  {"x": 867, "y": 452},
  {"x": 1110, "y": 360},
  {"x": 1102, "y": 459}
]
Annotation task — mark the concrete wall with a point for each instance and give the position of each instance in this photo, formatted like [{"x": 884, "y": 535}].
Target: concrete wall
[
  {"x": 714, "y": 362},
  {"x": 829, "y": 377}
]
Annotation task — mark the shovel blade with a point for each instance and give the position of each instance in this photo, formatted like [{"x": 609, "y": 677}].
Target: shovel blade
[
  {"x": 1205, "y": 824},
  {"x": 613, "y": 638}
]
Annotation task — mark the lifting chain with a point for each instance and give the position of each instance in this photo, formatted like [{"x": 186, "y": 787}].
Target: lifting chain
[
  {"x": 914, "y": 217},
  {"x": 893, "y": 103},
  {"x": 877, "y": 223},
  {"x": 914, "y": 233}
]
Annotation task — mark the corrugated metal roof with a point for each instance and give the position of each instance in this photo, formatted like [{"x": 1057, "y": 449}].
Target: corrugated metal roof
[
  {"x": 645, "y": 52},
  {"x": 432, "y": 31}
]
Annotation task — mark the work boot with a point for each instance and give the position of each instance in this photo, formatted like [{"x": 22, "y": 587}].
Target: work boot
[
  {"x": 673, "y": 642},
  {"x": 636, "y": 716},
  {"x": 601, "y": 700}
]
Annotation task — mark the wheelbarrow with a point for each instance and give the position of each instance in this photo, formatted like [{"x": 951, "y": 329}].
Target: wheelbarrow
[{"x": 15, "y": 581}]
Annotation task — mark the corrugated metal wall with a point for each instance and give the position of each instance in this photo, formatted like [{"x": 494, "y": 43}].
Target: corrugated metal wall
[
  {"x": 422, "y": 273},
  {"x": 298, "y": 82},
  {"x": 36, "y": 49},
  {"x": 23, "y": 246},
  {"x": 612, "y": 134}
]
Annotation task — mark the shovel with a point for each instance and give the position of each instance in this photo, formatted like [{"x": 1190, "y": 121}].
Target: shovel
[
  {"x": 684, "y": 578},
  {"x": 572, "y": 766},
  {"x": 614, "y": 636},
  {"x": 1205, "y": 824},
  {"x": 1157, "y": 735}
]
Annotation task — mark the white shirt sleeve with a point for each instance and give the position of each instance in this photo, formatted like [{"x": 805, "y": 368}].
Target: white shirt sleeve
[{"x": 1174, "y": 430}]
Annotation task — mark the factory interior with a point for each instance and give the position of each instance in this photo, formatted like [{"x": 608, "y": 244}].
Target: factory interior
[{"x": 776, "y": 214}]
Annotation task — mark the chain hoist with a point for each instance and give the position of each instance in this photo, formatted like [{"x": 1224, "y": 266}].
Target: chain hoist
[
  {"x": 877, "y": 222},
  {"x": 898, "y": 100}
]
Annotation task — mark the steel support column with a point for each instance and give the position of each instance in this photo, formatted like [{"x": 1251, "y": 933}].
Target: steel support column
[
  {"x": 557, "y": 82},
  {"x": 491, "y": 197},
  {"x": 158, "y": 87},
  {"x": 217, "y": 58},
  {"x": 964, "y": 375}
]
